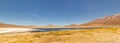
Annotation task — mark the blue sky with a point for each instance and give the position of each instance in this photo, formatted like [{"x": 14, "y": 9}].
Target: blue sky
[{"x": 56, "y": 12}]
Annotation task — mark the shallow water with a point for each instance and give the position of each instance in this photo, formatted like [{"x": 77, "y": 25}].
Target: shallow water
[
  {"x": 52, "y": 29},
  {"x": 16, "y": 30}
]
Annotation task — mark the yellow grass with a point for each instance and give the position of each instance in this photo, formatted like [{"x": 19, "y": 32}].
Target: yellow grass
[{"x": 103, "y": 35}]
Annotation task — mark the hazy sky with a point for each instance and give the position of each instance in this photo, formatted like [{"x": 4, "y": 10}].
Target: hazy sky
[{"x": 56, "y": 12}]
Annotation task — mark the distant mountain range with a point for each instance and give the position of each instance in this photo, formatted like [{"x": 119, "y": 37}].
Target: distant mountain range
[
  {"x": 8, "y": 25},
  {"x": 105, "y": 21},
  {"x": 113, "y": 20},
  {"x": 4, "y": 25}
]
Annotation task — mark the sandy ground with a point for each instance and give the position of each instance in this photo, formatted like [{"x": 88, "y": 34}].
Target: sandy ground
[{"x": 104, "y": 35}]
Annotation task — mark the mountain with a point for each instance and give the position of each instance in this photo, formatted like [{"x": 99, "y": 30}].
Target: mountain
[
  {"x": 3, "y": 25},
  {"x": 105, "y": 21},
  {"x": 113, "y": 20}
]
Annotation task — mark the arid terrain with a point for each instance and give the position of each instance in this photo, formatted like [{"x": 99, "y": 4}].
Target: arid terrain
[
  {"x": 100, "y": 35},
  {"x": 95, "y": 35},
  {"x": 59, "y": 21},
  {"x": 113, "y": 20}
]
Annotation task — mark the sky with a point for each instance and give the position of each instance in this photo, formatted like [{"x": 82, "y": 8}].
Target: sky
[{"x": 55, "y": 12}]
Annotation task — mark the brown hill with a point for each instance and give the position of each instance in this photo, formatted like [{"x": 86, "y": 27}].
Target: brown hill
[
  {"x": 105, "y": 21},
  {"x": 113, "y": 20},
  {"x": 3, "y": 25}
]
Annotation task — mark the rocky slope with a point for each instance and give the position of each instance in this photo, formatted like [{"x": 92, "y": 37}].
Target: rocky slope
[
  {"x": 105, "y": 21},
  {"x": 113, "y": 20}
]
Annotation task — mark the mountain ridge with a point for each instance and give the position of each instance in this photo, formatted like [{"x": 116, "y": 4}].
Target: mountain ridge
[
  {"x": 105, "y": 21},
  {"x": 113, "y": 20}
]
